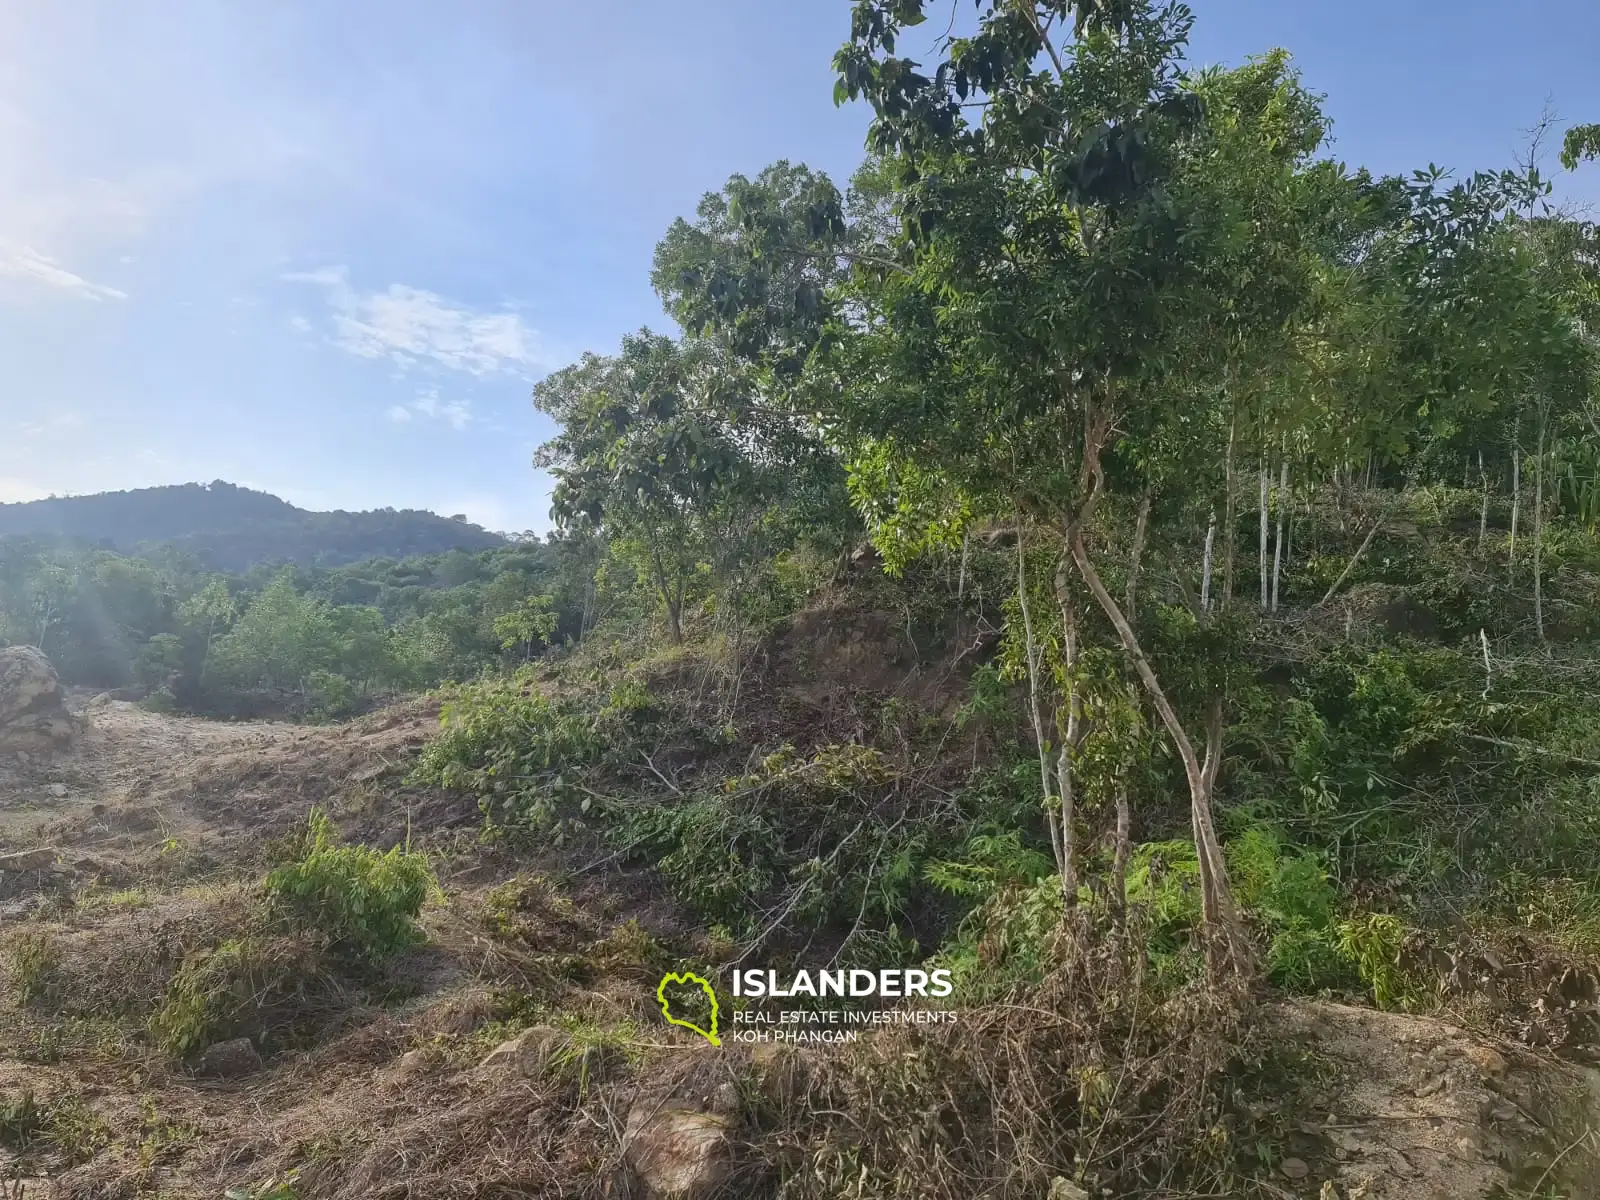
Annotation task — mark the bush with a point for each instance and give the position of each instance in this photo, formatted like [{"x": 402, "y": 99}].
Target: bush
[
  {"x": 363, "y": 901},
  {"x": 514, "y": 749}
]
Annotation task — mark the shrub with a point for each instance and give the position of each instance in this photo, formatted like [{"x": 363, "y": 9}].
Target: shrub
[
  {"x": 515, "y": 751},
  {"x": 363, "y": 901}
]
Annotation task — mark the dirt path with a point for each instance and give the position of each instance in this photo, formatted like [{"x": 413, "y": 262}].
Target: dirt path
[{"x": 124, "y": 755}]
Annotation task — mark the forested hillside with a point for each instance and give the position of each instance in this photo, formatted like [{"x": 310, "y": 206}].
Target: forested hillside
[
  {"x": 301, "y": 641},
  {"x": 229, "y": 528}
]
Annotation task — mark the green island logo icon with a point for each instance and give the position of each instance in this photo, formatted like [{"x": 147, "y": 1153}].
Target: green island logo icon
[{"x": 686, "y": 979}]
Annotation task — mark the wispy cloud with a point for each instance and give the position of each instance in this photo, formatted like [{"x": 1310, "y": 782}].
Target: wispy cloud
[
  {"x": 408, "y": 325},
  {"x": 427, "y": 406},
  {"x": 27, "y": 263}
]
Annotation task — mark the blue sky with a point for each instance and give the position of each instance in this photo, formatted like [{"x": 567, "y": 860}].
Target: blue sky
[{"x": 325, "y": 249}]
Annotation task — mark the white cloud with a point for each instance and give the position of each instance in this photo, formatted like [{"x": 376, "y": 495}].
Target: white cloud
[
  {"x": 299, "y": 324},
  {"x": 456, "y": 413},
  {"x": 408, "y": 325},
  {"x": 17, "y": 491},
  {"x": 27, "y": 263}
]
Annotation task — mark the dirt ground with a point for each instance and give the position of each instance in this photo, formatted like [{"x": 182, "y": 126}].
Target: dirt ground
[{"x": 157, "y": 824}]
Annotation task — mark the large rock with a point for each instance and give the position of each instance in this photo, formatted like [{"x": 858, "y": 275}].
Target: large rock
[
  {"x": 678, "y": 1153},
  {"x": 33, "y": 714}
]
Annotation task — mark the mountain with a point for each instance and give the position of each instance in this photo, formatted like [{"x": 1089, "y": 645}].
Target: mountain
[{"x": 230, "y": 528}]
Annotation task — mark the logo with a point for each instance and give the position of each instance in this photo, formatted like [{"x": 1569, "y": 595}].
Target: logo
[{"x": 666, "y": 1005}]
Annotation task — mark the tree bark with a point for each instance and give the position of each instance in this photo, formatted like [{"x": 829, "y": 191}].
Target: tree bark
[
  {"x": 1483, "y": 511},
  {"x": 1516, "y": 508},
  {"x": 1277, "y": 548},
  {"x": 1229, "y": 515},
  {"x": 1266, "y": 498},
  {"x": 1227, "y": 949},
  {"x": 1036, "y": 711},
  {"x": 1121, "y": 853},
  {"x": 1140, "y": 529},
  {"x": 1538, "y": 529},
  {"x": 1071, "y": 736},
  {"x": 1205, "y": 565}
]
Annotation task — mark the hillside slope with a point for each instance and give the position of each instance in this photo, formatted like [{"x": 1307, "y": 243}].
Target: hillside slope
[
  {"x": 229, "y": 528},
  {"x": 391, "y": 1089}
]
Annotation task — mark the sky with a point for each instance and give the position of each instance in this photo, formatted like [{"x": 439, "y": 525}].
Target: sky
[{"x": 325, "y": 250}]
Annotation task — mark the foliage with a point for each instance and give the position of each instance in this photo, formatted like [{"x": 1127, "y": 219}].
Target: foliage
[{"x": 363, "y": 901}]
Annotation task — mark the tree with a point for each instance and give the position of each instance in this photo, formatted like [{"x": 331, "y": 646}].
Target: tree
[
  {"x": 528, "y": 625},
  {"x": 648, "y": 453}
]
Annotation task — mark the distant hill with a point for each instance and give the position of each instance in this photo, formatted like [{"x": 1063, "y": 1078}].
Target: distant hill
[{"x": 231, "y": 528}]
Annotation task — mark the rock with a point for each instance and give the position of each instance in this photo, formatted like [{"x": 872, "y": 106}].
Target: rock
[
  {"x": 227, "y": 1060},
  {"x": 677, "y": 1153},
  {"x": 41, "y": 859},
  {"x": 411, "y": 1065},
  {"x": 23, "y": 757},
  {"x": 33, "y": 714},
  {"x": 58, "y": 790},
  {"x": 527, "y": 1053},
  {"x": 1063, "y": 1189},
  {"x": 1294, "y": 1168},
  {"x": 727, "y": 1100}
]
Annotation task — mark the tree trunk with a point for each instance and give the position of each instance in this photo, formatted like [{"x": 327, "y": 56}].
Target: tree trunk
[
  {"x": 1538, "y": 530},
  {"x": 1121, "y": 854},
  {"x": 1483, "y": 511},
  {"x": 1516, "y": 508},
  {"x": 1036, "y": 711},
  {"x": 1229, "y": 515},
  {"x": 1071, "y": 736},
  {"x": 1227, "y": 948},
  {"x": 966, "y": 547},
  {"x": 1205, "y": 565},
  {"x": 1266, "y": 581},
  {"x": 1140, "y": 529},
  {"x": 1277, "y": 549},
  {"x": 673, "y": 601}
]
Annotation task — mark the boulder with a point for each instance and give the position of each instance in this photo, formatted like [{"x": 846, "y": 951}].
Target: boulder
[
  {"x": 227, "y": 1060},
  {"x": 678, "y": 1153},
  {"x": 33, "y": 713}
]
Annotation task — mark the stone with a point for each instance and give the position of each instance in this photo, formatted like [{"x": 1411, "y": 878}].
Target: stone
[
  {"x": 411, "y": 1065},
  {"x": 58, "y": 790},
  {"x": 41, "y": 859},
  {"x": 527, "y": 1053},
  {"x": 1065, "y": 1189},
  {"x": 678, "y": 1153},
  {"x": 228, "y": 1060},
  {"x": 33, "y": 713},
  {"x": 1294, "y": 1168}
]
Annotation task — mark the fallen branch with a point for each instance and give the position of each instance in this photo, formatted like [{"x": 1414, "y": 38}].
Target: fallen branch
[{"x": 1351, "y": 565}]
